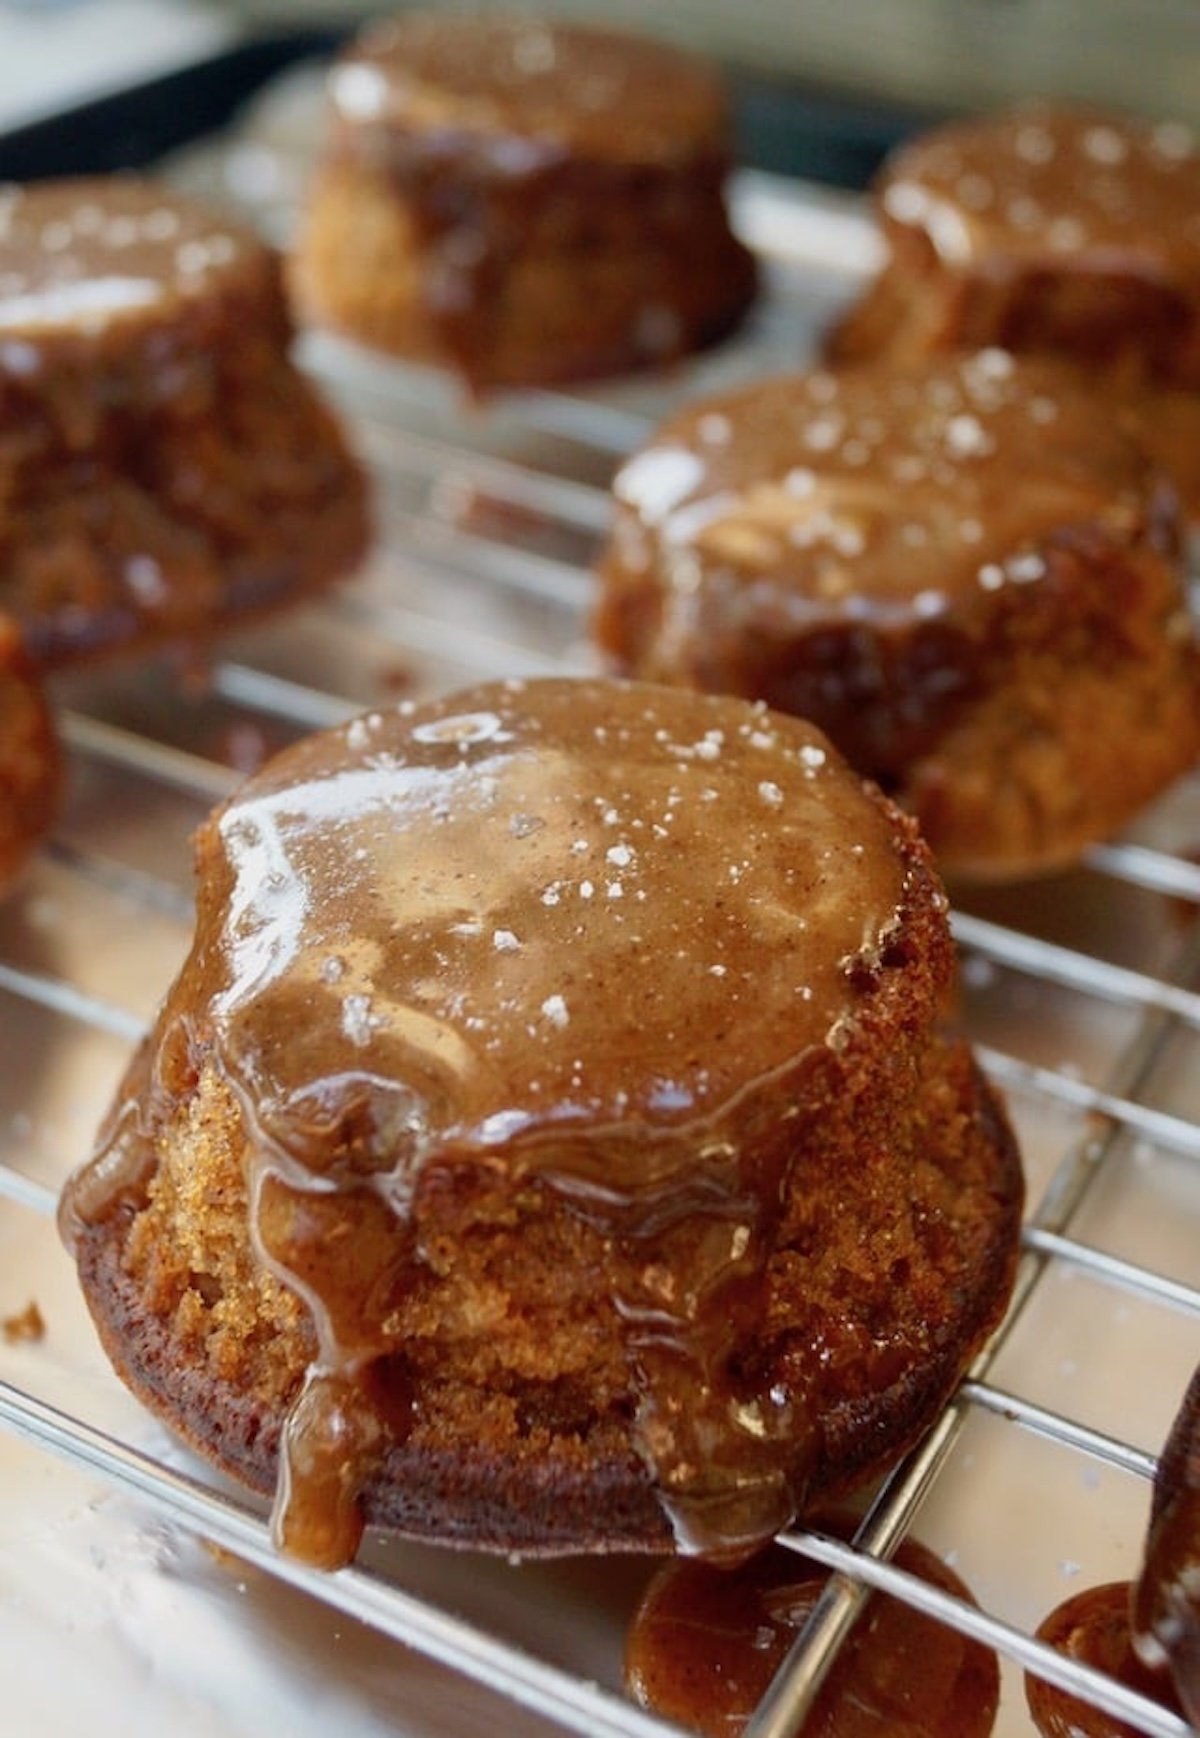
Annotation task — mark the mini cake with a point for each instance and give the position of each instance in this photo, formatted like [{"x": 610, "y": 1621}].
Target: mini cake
[
  {"x": 548, "y": 1145},
  {"x": 30, "y": 761},
  {"x": 1047, "y": 229},
  {"x": 164, "y": 469},
  {"x": 522, "y": 202},
  {"x": 961, "y": 570}
]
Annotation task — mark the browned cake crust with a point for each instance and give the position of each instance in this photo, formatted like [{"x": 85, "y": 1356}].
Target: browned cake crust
[
  {"x": 1063, "y": 231},
  {"x": 704, "y": 1220},
  {"x": 164, "y": 469},
  {"x": 521, "y": 201},
  {"x": 30, "y": 758},
  {"x": 960, "y": 569}
]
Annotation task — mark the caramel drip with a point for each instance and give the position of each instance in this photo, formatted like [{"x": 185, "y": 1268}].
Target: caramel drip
[
  {"x": 1166, "y": 1599},
  {"x": 592, "y": 934},
  {"x": 330, "y": 1440}
]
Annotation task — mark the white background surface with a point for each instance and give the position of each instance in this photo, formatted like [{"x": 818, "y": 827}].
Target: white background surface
[{"x": 53, "y": 55}]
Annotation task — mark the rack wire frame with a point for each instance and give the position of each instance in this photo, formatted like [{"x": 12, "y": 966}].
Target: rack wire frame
[{"x": 487, "y": 523}]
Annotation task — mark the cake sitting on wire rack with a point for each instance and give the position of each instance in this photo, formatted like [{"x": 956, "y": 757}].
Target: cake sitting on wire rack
[
  {"x": 549, "y": 1144},
  {"x": 165, "y": 470},
  {"x": 962, "y": 568},
  {"x": 522, "y": 202},
  {"x": 1050, "y": 229}
]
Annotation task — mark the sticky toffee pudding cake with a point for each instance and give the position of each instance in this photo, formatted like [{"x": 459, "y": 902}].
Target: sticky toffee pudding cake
[
  {"x": 165, "y": 470},
  {"x": 522, "y": 201},
  {"x": 549, "y": 1145},
  {"x": 30, "y": 757},
  {"x": 1046, "y": 228},
  {"x": 960, "y": 569}
]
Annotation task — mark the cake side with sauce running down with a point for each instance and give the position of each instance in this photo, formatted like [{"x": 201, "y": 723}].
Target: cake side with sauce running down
[
  {"x": 548, "y": 1144},
  {"x": 964, "y": 570},
  {"x": 165, "y": 470}
]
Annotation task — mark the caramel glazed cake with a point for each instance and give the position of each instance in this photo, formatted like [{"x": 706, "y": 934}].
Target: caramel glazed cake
[
  {"x": 547, "y": 1145},
  {"x": 164, "y": 469},
  {"x": 30, "y": 757},
  {"x": 1067, "y": 231},
  {"x": 522, "y": 202},
  {"x": 961, "y": 569}
]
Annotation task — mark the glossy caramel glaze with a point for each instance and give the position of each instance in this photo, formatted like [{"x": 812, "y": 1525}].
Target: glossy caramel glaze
[
  {"x": 586, "y": 937},
  {"x": 164, "y": 467},
  {"x": 528, "y": 91},
  {"x": 841, "y": 544},
  {"x": 1044, "y": 229},
  {"x": 706, "y": 1642},
  {"x": 1093, "y": 1628},
  {"x": 1079, "y": 189},
  {"x": 1166, "y": 1600},
  {"x": 79, "y": 257}
]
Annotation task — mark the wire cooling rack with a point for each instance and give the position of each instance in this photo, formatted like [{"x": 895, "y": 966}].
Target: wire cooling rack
[{"x": 1082, "y": 994}]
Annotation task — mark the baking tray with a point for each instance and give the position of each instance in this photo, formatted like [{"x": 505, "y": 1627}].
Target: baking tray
[{"x": 138, "y": 1593}]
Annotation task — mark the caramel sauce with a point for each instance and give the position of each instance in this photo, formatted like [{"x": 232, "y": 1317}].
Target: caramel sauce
[
  {"x": 81, "y": 257},
  {"x": 871, "y": 496},
  {"x": 1166, "y": 1596},
  {"x": 843, "y": 543},
  {"x": 1093, "y": 1628},
  {"x": 509, "y": 139},
  {"x": 332, "y": 1437},
  {"x": 529, "y": 90},
  {"x": 706, "y": 1642},
  {"x": 590, "y": 934},
  {"x": 1082, "y": 190}
]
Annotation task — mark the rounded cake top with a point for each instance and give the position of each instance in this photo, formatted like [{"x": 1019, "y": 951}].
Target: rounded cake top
[
  {"x": 890, "y": 492},
  {"x": 85, "y": 255},
  {"x": 1081, "y": 187},
  {"x": 537, "y": 912},
  {"x": 532, "y": 88}
]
